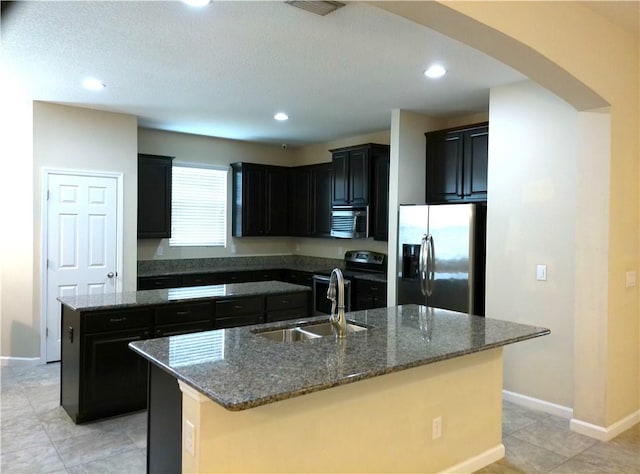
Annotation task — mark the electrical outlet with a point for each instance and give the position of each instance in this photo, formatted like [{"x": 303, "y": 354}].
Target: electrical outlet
[
  {"x": 160, "y": 250},
  {"x": 436, "y": 428},
  {"x": 630, "y": 279},
  {"x": 541, "y": 272},
  {"x": 189, "y": 437}
]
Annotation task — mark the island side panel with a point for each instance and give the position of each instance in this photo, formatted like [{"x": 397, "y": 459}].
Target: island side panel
[
  {"x": 70, "y": 362},
  {"x": 383, "y": 424}
]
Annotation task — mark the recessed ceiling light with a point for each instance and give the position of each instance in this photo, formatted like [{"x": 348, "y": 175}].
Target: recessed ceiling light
[
  {"x": 197, "y": 3},
  {"x": 281, "y": 116},
  {"x": 93, "y": 84},
  {"x": 435, "y": 71}
]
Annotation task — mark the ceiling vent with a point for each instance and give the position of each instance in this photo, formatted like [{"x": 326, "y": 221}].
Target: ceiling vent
[{"x": 318, "y": 7}]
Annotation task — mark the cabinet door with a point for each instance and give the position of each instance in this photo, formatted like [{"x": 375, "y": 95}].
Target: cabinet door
[
  {"x": 476, "y": 160},
  {"x": 253, "y": 218},
  {"x": 154, "y": 196},
  {"x": 322, "y": 175},
  {"x": 370, "y": 295},
  {"x": 379, "y": 226},
  {"x": 301, "y": 198},
  {"x": 277, "y": 198},
  {"x": 340, "y": 190},
  {"x": 444, "y": 167},
  {"x": 359, "y": 177},
  {"x": 115, "y": 377}
]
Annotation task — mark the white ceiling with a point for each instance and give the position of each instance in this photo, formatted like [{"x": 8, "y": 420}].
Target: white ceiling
[{"x": 225, "y": 69}]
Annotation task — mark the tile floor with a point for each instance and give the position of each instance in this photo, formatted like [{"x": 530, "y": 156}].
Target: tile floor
[{"x": 38, "y": 437}]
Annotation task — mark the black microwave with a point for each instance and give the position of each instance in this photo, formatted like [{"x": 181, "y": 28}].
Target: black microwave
[{"x": 350, "y": 222}]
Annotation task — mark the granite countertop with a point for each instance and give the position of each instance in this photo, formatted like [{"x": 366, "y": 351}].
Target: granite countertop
[
  {"x": 240, "y": 369},
  {"x": 175, "y": 295}
]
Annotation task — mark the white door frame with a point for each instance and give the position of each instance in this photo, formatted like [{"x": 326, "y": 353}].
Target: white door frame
[{"x": 46, "y": 172}]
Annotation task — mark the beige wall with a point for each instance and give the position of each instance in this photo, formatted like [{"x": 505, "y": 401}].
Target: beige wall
[
  {"x": 20, "y": 323},
  {"x": 589, "y": 62},
  {"x": 533, "y": 172}
]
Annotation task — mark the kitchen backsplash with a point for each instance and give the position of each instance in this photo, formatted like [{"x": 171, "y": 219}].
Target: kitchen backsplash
[{"x": 159, "y": 267}]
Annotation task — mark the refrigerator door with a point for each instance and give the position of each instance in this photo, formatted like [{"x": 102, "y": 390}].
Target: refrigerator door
[
  {"x": 412, "y": 227},
  {"x": 450, "y": 265}
]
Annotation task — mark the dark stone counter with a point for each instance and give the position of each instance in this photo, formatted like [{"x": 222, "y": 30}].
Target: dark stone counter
[{"x": 239, "y": 369}]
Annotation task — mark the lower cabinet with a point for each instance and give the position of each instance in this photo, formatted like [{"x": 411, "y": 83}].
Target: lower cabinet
[
  {"x": 370, "y": 294},
  {"x": 100, "y": 376},
  {"x": 239, "y": 312}
]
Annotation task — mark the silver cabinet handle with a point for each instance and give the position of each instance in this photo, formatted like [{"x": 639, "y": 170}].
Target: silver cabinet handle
[{"x": 110, "y": 275}]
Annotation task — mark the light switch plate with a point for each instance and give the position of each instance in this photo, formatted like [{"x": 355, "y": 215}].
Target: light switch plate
[
  {"x": 630, "y": 279},
  {"x": 541, "y": 272},
  {"x": 189, "y": 437}
]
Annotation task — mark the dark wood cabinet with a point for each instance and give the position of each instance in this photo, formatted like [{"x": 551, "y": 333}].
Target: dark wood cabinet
[
  {"x": 260, "y": 200},
  {"x": 379, "y": 222},
  {"x": 287, "y": 306},
  {"x": 369, "y": 294},
  {"x": 298, "y": 277},
  {"x": 239, "y": 312},
  {"x": 183, "y": 319},
  {"x": 301, "y": 184},
  {"x": 311, "y": 200},
  {"x": 159, "y": 282},
  {"x": 100, "y": 376},
  {"x": 154, "y": 196},
  {"x": 351, "y": 178},
  {"x": 457, "y": 162}
]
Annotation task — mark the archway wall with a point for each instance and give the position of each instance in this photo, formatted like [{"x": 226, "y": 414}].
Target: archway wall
[{"x": 590, "y": 63}]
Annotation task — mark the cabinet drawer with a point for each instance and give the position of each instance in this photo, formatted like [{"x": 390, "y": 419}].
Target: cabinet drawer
[
  {"x": 241, "y": 320},
  {"x": 155, "y": 283},
  {"x": 287, "y": 301},
  {"x": 285, "y": 315},
  {"x": 115, "y": 320},
  {"x": 184, "y": 313},
  {"x": 239, "y": 306},
  {"x": 201, "y": 279},
  {"x": 182, "y": 328}
]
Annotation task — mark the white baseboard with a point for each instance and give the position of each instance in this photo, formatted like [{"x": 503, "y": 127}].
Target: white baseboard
[
  {"x": 605, "y": 433},
  {"x": 478, "y": 462},
  {"x": 537, "y": 404},
  {"x": 20, "y": 361}
]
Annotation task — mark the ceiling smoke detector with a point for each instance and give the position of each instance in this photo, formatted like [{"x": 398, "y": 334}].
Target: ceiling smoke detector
[{"x": 318, "y": 7}]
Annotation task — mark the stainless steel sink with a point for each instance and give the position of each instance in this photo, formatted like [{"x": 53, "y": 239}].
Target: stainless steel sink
[
  {"x": 288, "y": 335},
  {"x": 327, "y": 329},
  {"x": 305, "y": 332}
]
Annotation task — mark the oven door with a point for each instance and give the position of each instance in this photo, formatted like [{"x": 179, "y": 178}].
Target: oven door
[{"x": 321, "y": 304}]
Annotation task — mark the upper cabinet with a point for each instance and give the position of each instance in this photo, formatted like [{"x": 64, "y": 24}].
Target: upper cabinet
[
  {"x": 351, "y": 174},
  {"x": 311, "y": 200},
  {"x": 154, "y": 196},
  {"x": 457, "y": 161},
  {"x": 379, "y": 222},
  {"x": 260, "y": 200}
]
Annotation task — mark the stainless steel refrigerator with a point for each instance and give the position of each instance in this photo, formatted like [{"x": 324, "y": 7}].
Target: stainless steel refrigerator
[{"x": 441, "y": 253}]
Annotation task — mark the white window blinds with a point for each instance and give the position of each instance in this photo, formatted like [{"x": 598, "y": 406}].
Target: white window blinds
[{"x": 198, "y": 205}]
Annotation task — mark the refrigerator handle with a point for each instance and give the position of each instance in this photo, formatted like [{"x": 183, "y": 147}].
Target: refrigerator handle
[
  {"x": 422, "y": 265},
  {"x": 430, "y": 265}
]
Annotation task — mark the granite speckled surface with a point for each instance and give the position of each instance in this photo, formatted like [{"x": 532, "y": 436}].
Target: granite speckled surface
[
  {"x": 228, "y": 264},
  {"x": 175, "y": 295},
  {"x": 239, "y": 369}
]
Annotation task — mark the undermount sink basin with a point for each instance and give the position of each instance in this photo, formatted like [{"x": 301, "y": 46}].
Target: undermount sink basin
[{"x": 305, "y": 332}]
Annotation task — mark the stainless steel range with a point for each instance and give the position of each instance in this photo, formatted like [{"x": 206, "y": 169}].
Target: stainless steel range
[{"x": 356, "y": 263}]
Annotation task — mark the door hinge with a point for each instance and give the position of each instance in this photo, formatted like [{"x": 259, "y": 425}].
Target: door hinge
[
  {"x": 48, "y": 194},
  {"x": 47, "y": 333}
]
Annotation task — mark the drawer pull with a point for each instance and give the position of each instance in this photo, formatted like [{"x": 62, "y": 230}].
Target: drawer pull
[
  {"x": 285, "y": 301},
  {"x": 183, "y": 313},
  {"x": 238, "y": 306},
  {"x": 118, "y": 320}
]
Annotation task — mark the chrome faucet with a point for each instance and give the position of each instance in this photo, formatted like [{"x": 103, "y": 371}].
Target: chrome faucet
[{"x": 336, "y": 295}]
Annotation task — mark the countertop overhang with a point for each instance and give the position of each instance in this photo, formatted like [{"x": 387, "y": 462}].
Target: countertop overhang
[
  {"x": 239, "y": 369},
  {"x": 132, "y": 299}
]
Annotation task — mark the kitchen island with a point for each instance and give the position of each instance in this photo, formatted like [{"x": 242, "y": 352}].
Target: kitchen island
[
  {"x": 101, "y": 377},
  {"x": 427, "y": 397}
]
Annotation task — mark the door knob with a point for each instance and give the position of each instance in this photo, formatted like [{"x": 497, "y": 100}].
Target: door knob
[{"x": 110, "y": 275}]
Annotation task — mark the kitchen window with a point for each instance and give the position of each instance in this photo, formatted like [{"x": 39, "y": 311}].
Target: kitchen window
[{"x": 198, "y": 205}]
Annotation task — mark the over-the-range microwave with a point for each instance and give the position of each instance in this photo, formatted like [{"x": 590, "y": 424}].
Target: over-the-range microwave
[{"x": 350, "y": 222}]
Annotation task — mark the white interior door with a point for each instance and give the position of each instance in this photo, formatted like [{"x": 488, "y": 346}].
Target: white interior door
[{"x": 81, "y": 244}]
